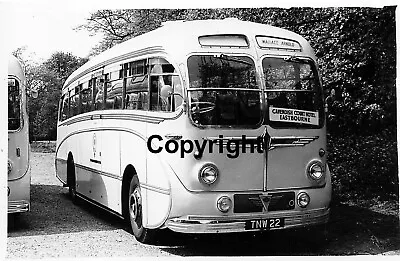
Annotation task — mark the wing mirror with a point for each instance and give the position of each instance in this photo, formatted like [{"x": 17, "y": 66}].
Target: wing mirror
[{"x": 167, "y": 91}]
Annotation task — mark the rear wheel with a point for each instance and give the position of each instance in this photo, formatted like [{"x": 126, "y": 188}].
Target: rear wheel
[
  {"x": 142, "y": 234},
  {"x": 72, "y": 181},
  {"x": 11, "y": 218}
]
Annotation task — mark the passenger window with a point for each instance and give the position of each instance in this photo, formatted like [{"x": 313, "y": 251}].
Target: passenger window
[
  {"x": 64, "y": 112},
  {"x": 74, "y": 103},
  {"x": 97, "y": 94},
  {"x": 164, "y": 75},
  {"x": 113, "y": 93},
  {"x": 137, "y": 93},
  {"x": 14, "y": 103},
  {"x": 86, "y": 96},
  {"x": 158, "y": 103},
  {"x": 138, "y": 68},
  {"x": 137, "y": 86}
]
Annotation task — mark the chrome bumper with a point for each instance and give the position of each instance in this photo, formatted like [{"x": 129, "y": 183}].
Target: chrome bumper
[
  {"x": 18, "y": 206},
  {"x": 227, "y": 224}
]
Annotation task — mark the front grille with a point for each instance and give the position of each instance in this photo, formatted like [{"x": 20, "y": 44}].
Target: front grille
[
  {"x": 248, "y": 203},
  {"x": 245, "y": 203},
  {"x": 281, "y": 201}
]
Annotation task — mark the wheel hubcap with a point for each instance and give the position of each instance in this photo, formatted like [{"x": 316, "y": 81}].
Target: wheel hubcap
[{"x": 134, "y": 204}]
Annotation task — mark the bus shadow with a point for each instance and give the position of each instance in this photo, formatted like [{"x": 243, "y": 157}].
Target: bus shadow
[
  {"x": 351, "y": 230},
  {"x": 52, "y": 212}
]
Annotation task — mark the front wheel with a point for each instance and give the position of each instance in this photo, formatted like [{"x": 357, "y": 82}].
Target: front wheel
[{"x": 142, "y": 234}]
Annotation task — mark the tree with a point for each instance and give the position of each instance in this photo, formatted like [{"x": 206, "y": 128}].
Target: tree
[
  {"x": 48, "y": 79},
  {"x": 120, "y": 25}
]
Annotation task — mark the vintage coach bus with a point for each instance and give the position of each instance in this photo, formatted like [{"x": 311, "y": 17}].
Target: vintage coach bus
[
  {"x": 19, "y": 175},
  {"x": 210, "y": 126}
]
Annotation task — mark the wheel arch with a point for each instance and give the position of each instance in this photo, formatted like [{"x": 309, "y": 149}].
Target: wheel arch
[{"x": 127, "y": 176}]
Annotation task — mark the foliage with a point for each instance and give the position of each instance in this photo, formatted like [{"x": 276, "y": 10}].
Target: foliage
[
  {"x": 43, "y": 109},
  {"x": 43, "y": 146},
  {"x": 120, "y": 25},
  {"x": 47, "y": 78},
  {"x": 364, "y": 166}
]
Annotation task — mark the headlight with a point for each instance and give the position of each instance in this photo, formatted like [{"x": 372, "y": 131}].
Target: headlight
[
  {"x": 224, "y": 203},
  {"x": 9, "y": 167},
  {"x": 316, "y": 171},
  {"x": 303, "y": 199},
  {"x": 208, "y": 174}
]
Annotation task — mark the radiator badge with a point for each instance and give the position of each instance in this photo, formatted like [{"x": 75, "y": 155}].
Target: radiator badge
[{"x": 265, "y": 199}]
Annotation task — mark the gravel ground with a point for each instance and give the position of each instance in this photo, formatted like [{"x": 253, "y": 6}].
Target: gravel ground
[{"x": 57, "y": 228}]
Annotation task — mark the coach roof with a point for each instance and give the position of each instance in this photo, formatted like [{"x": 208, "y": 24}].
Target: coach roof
[
  {"x": 180, "y": 35},
  {"x": 15, "y": 68}
]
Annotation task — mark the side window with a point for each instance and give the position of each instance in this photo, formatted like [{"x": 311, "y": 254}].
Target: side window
[
  {"x": 14, "y": 103},
  {"x": 113, "y": 93},
  {"x": 164, "y": 77},
  {"x": 86, "y": 97},
  {"x": 64, "y": 112},
  {"x": 157, "y": 103},
  {"x": 123, "y": 72},
  {"x": 75, "y": 101},
  {"x": 137, "y": 86},
  {"x": 137, "y": 93},
  {"x": 97, "y": 94}
]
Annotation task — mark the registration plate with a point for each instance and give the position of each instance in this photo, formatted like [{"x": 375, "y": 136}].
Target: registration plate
[{"x": 263, "y": 224}]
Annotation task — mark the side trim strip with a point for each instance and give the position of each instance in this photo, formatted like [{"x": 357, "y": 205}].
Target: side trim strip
[
  {"x": 115, "y": 116},
  {"x": 155, "y": 189},
  {"x": 95, "y": 171},
  {"x": 97, "y": 204},
  {"x": 99, "y": 129},
  {"x": 143, "y": 185},
  {"x": 291, "y": 141},
  {"x": 297, "y": 188},
  {"x": 95, "y": 161}
]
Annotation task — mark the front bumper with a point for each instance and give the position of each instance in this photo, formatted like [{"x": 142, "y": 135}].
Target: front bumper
[
  {"x": 227, "y": 224},
  {"x": 19, "y": 206}
]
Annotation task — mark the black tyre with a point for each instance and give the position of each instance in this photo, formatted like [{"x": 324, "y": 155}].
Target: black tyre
[
  {"x": 135, "y": 217},
  {"x": 11, "y": 218},
  {"x": 72, "y": 181}
]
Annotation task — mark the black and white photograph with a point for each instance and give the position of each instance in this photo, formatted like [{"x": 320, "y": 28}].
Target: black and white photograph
[{"x": 173, "y": 129}]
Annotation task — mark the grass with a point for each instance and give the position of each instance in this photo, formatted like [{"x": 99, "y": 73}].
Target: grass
[{"x": 43, "y": 146}]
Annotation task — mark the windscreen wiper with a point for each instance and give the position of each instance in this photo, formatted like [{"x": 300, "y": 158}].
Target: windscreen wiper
[
  {"x": 295, "y": 59},
  {"x": 233, "y": 59}
]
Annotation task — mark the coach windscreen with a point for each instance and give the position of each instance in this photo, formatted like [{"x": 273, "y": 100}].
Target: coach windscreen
[{"x": 223, "y": 91}]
